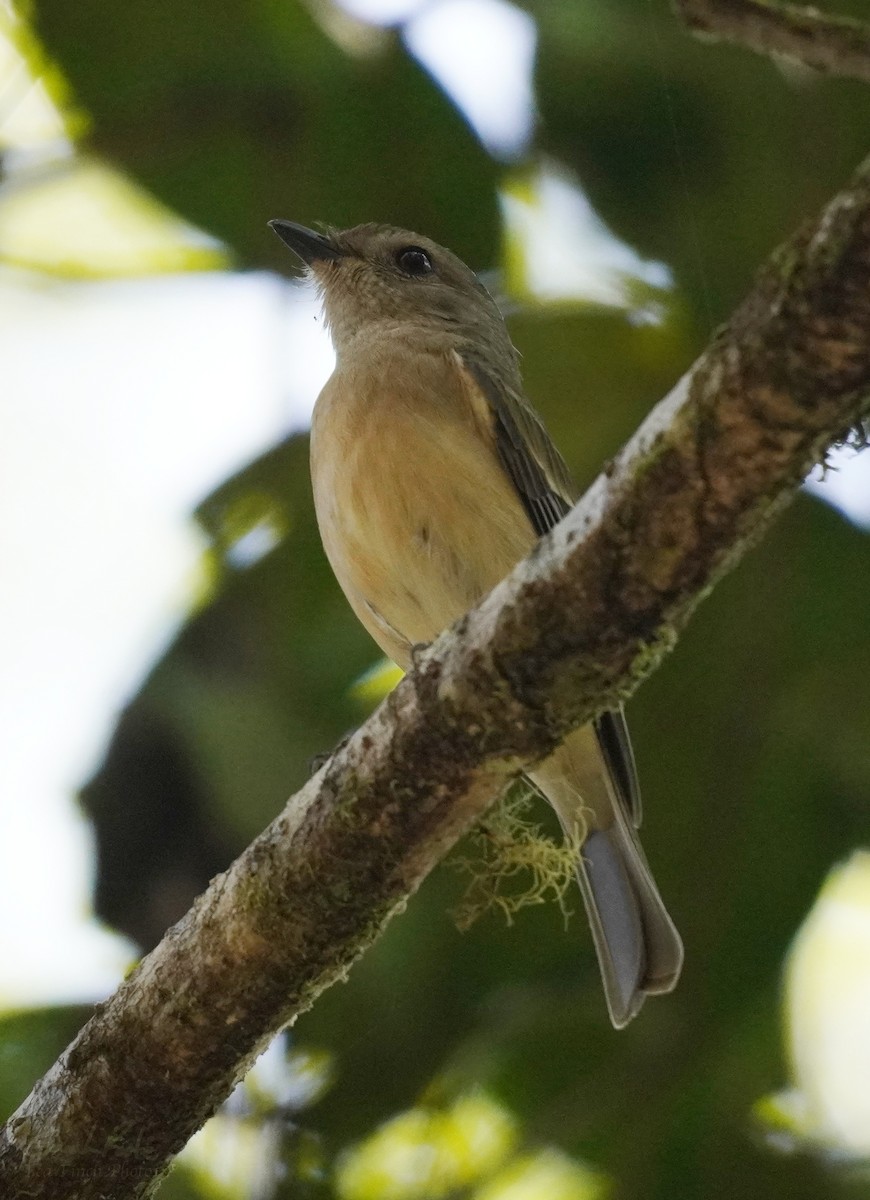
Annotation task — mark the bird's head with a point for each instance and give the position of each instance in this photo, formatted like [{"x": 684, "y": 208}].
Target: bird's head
[{"x": 376, "y": 280}]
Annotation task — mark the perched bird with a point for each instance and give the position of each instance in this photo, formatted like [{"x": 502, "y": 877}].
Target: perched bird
[{"x": 433, "y": 476}]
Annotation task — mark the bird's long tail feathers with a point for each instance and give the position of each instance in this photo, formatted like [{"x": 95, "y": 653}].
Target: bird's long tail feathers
[{"x": 639, "y": 950}]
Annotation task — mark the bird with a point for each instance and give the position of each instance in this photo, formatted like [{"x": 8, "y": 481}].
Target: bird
[{"x": 433, "y": 476}]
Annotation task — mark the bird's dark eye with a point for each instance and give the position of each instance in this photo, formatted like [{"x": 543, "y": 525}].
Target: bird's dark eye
[{"x": 414, "y": 261}]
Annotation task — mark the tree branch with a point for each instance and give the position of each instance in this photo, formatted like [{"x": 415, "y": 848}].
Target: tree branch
[
  {"x": 834, "y": 45},
  {"x": 578, "y": 624}
]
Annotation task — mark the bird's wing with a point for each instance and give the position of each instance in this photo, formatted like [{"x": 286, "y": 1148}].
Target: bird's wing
[
  {"x": 544, "y": 485},
  {"x": 534, "y": 465},
  {"x": 615, "y": 745}
]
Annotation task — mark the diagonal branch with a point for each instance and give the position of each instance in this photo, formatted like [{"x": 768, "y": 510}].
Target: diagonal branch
[
  {"x": 579, "y": 623},
  {"x": 835, "y": 45}
]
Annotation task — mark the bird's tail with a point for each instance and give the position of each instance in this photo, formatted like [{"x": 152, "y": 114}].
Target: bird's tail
[{"x": 639, "y": 950}]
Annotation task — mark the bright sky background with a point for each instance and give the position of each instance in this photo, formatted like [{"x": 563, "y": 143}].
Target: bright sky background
[{"x": 162, "y": 387}]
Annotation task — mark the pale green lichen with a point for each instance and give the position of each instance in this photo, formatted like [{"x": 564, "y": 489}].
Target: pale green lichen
[
  {"x": 511, "y": 863},
  {"x": 648, "y": 656}
]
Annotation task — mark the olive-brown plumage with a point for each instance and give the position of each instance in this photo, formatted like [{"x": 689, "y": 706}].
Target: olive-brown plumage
[{"x": 433, "y": 476}]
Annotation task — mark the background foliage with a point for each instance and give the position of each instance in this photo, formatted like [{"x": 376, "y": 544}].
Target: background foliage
[{"x": 753, "y": 741}]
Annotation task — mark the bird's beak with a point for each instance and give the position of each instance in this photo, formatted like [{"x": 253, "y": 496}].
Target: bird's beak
[{"x": 311, "y": 247}]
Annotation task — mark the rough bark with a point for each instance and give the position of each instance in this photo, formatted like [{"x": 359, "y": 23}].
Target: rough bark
[
  {"x": 831, "y": 44},
  {"x": 579, "y": 623}
]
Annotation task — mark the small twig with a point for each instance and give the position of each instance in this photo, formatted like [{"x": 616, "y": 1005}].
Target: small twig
[{"x": 834, "y": 45}]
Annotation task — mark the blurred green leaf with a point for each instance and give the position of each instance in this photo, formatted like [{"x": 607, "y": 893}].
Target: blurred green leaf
[
  {"x": 704, "y": 156},
  {"x": 223, "y": 731},
  {"x": 30, "y": 1041},
  {"x": 236, "y": 113}
]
